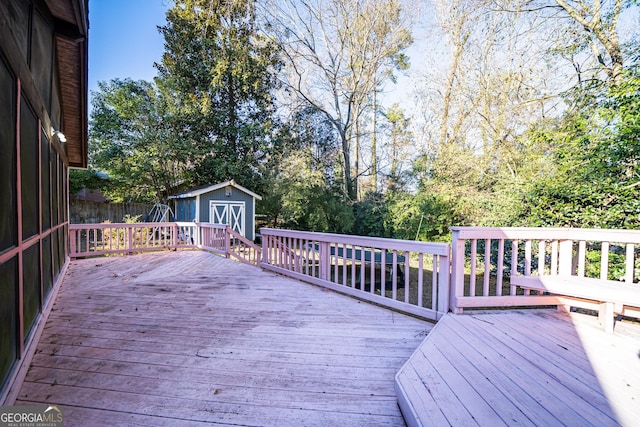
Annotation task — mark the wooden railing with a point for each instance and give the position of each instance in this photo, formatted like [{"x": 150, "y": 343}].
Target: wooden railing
[
  {"x": 104, "y": 239},
  {"x": 213, "y": 238},
  {"x": 405, "y": 275},
  {"x": 243, "y": 250},
  {"x": 499, "y": 267},
  {"x": 490, "y": 267},
  {"x": 107, "y": 239}
]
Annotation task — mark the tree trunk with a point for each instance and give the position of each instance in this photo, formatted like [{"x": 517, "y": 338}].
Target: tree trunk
[{"x": 374, "y": 159}]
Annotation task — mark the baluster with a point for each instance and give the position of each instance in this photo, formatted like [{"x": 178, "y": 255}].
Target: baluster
[
  {"x": 554, "y": 257},
  {"x": 383, "y": 273},
  {"x": 527, "y": 257},
  {"x": 421, "y": 279},
  {"x": 336, "y": 262},
  {"x": 344, "y": 264},
  {"x": 407, "y": 276},
  {"x": 629, "y": 273},
  {"x": 604, "y": 261},
  {"x": 542, "y": 252},
  {"x": 487, "y": 267},
  {"x": 373, "y": 271},
  {"x": 353, "y": 266},
  {"x": 308, "y": 248},
  {"x": 472, "y": 273},
  {"x": 514, "y": 264},
  {"x": 582, "y": 255},
  {"x": 296, "y": 243},
  {"x": 527, "y": 262},
  {"x": 434, "y": 283},
  {"x": 565, "y": 257},
  {"x": 500, "y": 267},
  {"x": 363, "y": 258},
  {"x": 394, "y": 276}
]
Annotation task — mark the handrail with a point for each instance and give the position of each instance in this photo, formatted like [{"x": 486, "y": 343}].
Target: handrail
[
  {"x": 405, "y": 275},
  {"x": 243, "y": 249}
]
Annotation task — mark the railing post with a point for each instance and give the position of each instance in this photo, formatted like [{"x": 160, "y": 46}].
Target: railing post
[
  {"x": 457, "y": 271},
  {"x": 72, "y": 242},
  {"x": 325, "y": 261},
  {"x": 265, "y": 245},
  {"x": 175, "y": 232},
  {"x": 444, "y": 274},
  {"x": 130, "y": 237},
  {"x": 227, "y": 241}
]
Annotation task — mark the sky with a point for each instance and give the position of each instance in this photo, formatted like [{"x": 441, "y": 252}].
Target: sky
[{"x": 124, "y": 40}]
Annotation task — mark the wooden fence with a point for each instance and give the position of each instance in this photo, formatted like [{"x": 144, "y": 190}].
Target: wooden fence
[{"x": 88, "y": 212}]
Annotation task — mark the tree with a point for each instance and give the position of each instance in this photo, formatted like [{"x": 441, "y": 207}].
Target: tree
[
  {"x": 399, "y": 141},
  {"x": 90, "y": 179},
  {"x": 597, "y": 20},
  {"x": 492, "y": 84},
  {"x": 596, "y": 151},
  {"x": 304, "y": 186},
  {"x": 132, "y": 142},
  {"x": 219, "y": 69},
  {"x": 337, "y": 51}
]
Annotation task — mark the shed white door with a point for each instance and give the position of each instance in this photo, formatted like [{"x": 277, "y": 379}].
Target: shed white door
[{"x": 231, "y": 213}]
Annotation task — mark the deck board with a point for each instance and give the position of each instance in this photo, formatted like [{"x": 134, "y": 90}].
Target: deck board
[
  {"x": 192, "y": 338},
  {"x": 529, "y": 367}
]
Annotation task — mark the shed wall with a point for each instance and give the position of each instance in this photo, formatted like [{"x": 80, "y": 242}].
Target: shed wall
[{"x": 186, "y": 209}]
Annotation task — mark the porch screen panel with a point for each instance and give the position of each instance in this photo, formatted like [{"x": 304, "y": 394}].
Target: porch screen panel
[
  {"x": 29, "y": 170},
  {"x": 31, "y": 287},
  {"x": 64, "y": 241},
  {"x": 18, "y": 13},
  {"x": 55, "y": 250},
  {"x": 8, "y": 196},
  {"x": 42, "y": 56},
  {"x": 65, "y": 190},
  {"x": 47, "y": 277},
  {"x": 53, "y": 162},
  {"x": 8, "y": 317},
  {"x": 46, "y": 184}
]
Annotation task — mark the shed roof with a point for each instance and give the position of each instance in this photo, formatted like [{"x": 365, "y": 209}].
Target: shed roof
[{"x": 193, "y": 192}]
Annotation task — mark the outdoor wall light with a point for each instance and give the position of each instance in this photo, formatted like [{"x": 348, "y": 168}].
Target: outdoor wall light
[{"x": 61, "y": 138}]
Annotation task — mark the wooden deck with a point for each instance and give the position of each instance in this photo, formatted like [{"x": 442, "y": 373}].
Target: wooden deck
[
  {"x": 190, "y": 338},
  {"x": 523, "y": 368}
]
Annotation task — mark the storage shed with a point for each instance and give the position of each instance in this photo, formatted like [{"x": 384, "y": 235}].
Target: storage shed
[{"x": 224, "y": 203}]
